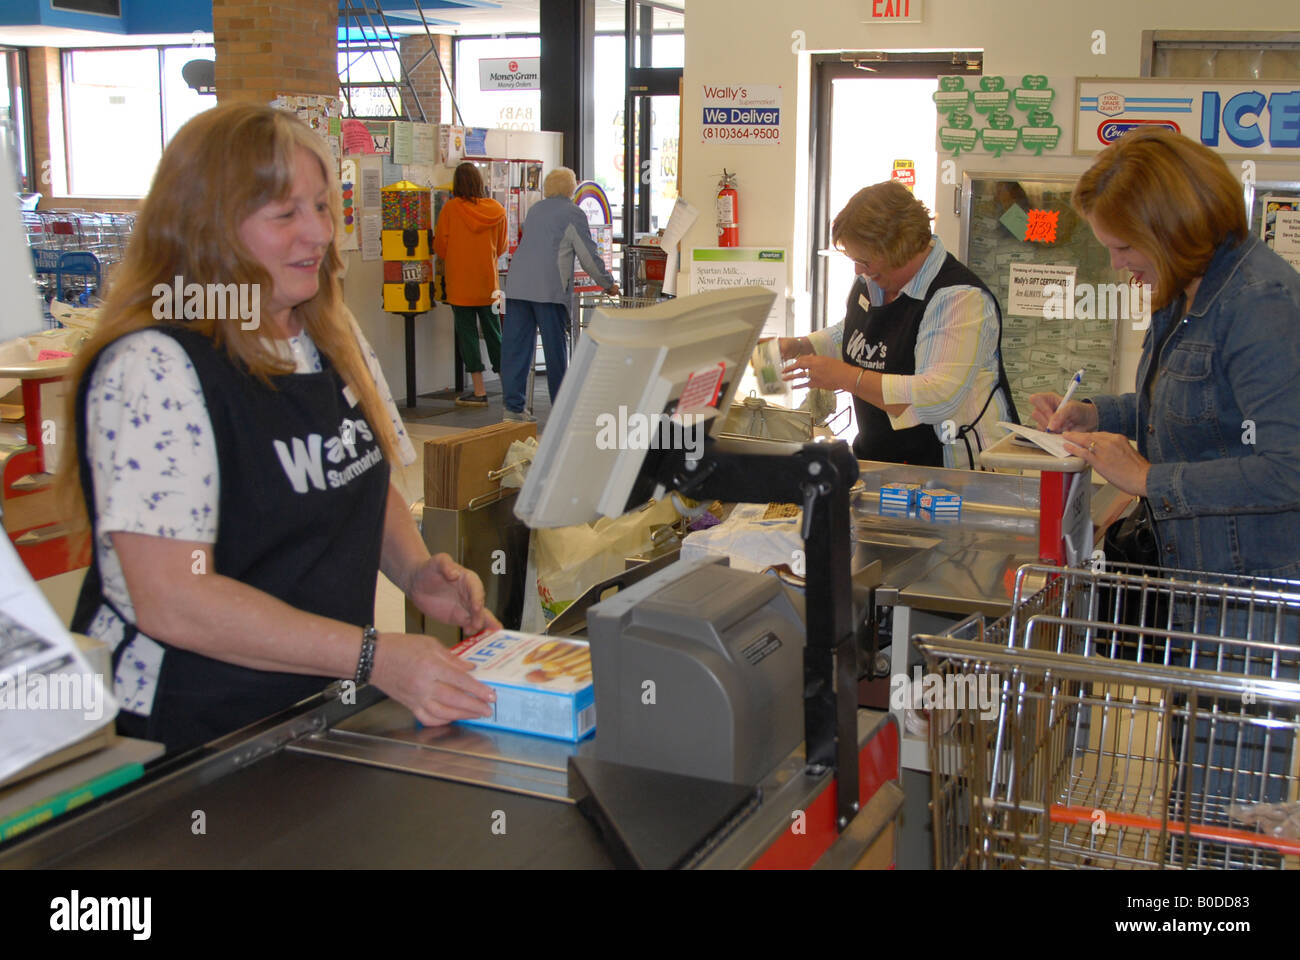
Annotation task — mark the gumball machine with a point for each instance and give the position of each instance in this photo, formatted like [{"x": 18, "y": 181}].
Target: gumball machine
[
  {"x": 406, "y": 245},
  {"x": 407, "y": 242}
]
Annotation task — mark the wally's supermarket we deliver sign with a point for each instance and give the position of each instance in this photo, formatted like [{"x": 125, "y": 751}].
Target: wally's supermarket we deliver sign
[{"x": 742, "y": 113}]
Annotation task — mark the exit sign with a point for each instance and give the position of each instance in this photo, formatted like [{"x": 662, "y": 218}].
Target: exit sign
[{"x": 892, "y": 11}]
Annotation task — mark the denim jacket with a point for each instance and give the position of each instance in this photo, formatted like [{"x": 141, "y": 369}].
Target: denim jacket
[{"x": 1222, "y": 425}]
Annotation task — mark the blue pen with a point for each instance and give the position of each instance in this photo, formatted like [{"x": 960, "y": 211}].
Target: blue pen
[{"x": 1069, "y": 391}]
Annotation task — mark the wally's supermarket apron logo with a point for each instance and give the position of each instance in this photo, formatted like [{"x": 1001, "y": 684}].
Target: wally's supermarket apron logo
[
  {"x": 302, "y": 459},
  {"x": 868, "y": 357}
]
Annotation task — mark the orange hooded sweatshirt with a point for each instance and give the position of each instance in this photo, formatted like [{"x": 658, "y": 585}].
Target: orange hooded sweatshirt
[{"x": 468, "y": 239}]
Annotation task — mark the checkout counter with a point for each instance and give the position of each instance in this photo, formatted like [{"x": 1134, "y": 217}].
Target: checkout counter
[
  {"x": 757, "y": 754},
  {"x": 356, "y": 785},
  {"x": 766, "y": 759}
]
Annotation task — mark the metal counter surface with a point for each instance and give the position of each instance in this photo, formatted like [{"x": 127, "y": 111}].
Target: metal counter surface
[
  {"x": 328, "y": 785},
  {"x": 293, "y": 810},
  {"x": 961, "y": 566},
  {"x": 266, "y": 805}
]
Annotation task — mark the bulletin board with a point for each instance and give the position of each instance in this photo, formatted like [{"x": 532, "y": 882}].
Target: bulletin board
[{"x": 1041, "y": 352}]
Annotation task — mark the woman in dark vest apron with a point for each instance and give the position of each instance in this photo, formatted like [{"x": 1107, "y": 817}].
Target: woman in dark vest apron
[
  {"x": 232, "y": 450},
  {"x": 920, "y": 345}
]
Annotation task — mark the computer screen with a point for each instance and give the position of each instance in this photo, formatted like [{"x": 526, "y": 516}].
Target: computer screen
[{"x": 642, "y": 381}]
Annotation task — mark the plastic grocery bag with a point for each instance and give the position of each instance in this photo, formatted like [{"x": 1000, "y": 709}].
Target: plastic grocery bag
[{"x": 563, "y": 562}]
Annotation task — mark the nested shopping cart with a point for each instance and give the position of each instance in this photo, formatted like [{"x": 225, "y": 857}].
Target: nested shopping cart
[
  {"x": 1143, "y": 719},
  {"x": 604, "y": 301}
]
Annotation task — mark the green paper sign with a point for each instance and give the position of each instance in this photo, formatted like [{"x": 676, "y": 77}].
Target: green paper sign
[
  {"x": 1000, "y": 135},
  {"x": 999, "y": 142},
  {"x": 1036, "y": 97},
  {"x": 1016, "y": 220},
  {"x": 992, "y": 95},
  {"x": 1001, "y": 120},
  {"x": 1041, "y": 134},
  {"x": 958, "y": 136},
  {"x": 951, "y": 95}
]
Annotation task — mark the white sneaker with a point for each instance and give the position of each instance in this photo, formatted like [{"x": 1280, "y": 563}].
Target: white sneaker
[{"x": 522, "y": 416}]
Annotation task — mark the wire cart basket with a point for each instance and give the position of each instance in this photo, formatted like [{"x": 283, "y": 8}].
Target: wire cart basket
[
  {"x": 1138, "y": 719},
  {"x": 604, "y": 301}
]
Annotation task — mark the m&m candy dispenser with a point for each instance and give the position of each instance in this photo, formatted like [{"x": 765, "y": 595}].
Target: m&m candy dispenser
[{"x": 407, "y": 243}]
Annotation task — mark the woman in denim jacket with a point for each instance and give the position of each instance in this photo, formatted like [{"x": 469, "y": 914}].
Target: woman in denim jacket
[{"x": 1216, "y": 415}]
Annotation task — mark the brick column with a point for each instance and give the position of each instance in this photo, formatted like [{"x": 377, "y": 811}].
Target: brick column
[
  {"x": 264, "y": 48},
  {"x": 45, "y": 85},
  {"x": 425, "y": 78}
]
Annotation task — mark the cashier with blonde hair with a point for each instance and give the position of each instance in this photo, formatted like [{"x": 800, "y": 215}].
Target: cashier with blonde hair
[
  {"x": 920, "y": 345},
  {"x": 236, "y": 471}
]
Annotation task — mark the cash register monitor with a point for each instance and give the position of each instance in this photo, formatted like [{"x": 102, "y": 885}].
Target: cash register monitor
[{"x": 632, "y": 374}]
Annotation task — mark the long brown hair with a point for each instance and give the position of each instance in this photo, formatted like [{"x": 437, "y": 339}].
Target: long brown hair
[
  {"x": 467, "y": 183},
  {"x": 1167, "y": 196},
  {"x": 220, "y": 168}
]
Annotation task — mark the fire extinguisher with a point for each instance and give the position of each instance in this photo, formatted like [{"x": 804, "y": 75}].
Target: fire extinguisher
[{"x": 728, "y": 211}]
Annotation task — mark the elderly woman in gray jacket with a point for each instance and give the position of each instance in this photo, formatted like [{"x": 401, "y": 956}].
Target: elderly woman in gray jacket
[{"x": 539, "y": 288}]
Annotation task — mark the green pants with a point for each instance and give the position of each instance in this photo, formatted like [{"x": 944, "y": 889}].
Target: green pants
[{"x": 467, "y": 336}]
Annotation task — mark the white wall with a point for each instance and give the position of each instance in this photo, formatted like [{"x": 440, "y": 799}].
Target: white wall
[{"x": 752, "y": 41}]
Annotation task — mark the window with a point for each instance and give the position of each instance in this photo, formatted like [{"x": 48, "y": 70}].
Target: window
[
  {"x": 1221, "y": 54},
  {"x": 370, "y": 80},
  {"x": 500, "y": 109},
  {"x": 132, "y": 99},
  {"x": 13, "y": 114}
]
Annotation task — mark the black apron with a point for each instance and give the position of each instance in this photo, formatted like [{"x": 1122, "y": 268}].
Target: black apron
[
  {"x": 883, "y": 339},
  {"x": 301, "y": 511}
]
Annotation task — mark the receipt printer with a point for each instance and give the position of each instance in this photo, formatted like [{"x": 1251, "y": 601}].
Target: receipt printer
[{"x": 699, "y": 671}]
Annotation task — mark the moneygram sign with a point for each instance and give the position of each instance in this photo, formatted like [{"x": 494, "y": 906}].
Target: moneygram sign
[{"x": 510, "y": 73}]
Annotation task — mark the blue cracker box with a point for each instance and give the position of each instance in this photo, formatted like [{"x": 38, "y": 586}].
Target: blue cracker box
[
  {"x": 543, "y": 684},
  {"x": 898, "y": 496},
  {"x": 939, "y": 503}
]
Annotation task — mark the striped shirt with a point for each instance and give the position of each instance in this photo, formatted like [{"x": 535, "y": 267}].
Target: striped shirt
[{"x": 956, "y": 361}]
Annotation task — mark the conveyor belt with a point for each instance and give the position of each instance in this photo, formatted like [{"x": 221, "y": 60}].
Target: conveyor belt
[
  {"x": 280, "y": 794},
  {"x": 294, "y": 810}
]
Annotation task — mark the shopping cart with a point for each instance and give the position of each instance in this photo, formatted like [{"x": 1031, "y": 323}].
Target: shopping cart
[
  {"x": 1140, "y": 718},
  {"x": 604, "y": 301},
  {"x": 74, "y": 251}
]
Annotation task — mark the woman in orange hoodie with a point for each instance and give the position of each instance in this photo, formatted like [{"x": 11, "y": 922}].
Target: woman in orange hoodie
[{"x": 470, "y": 236}]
